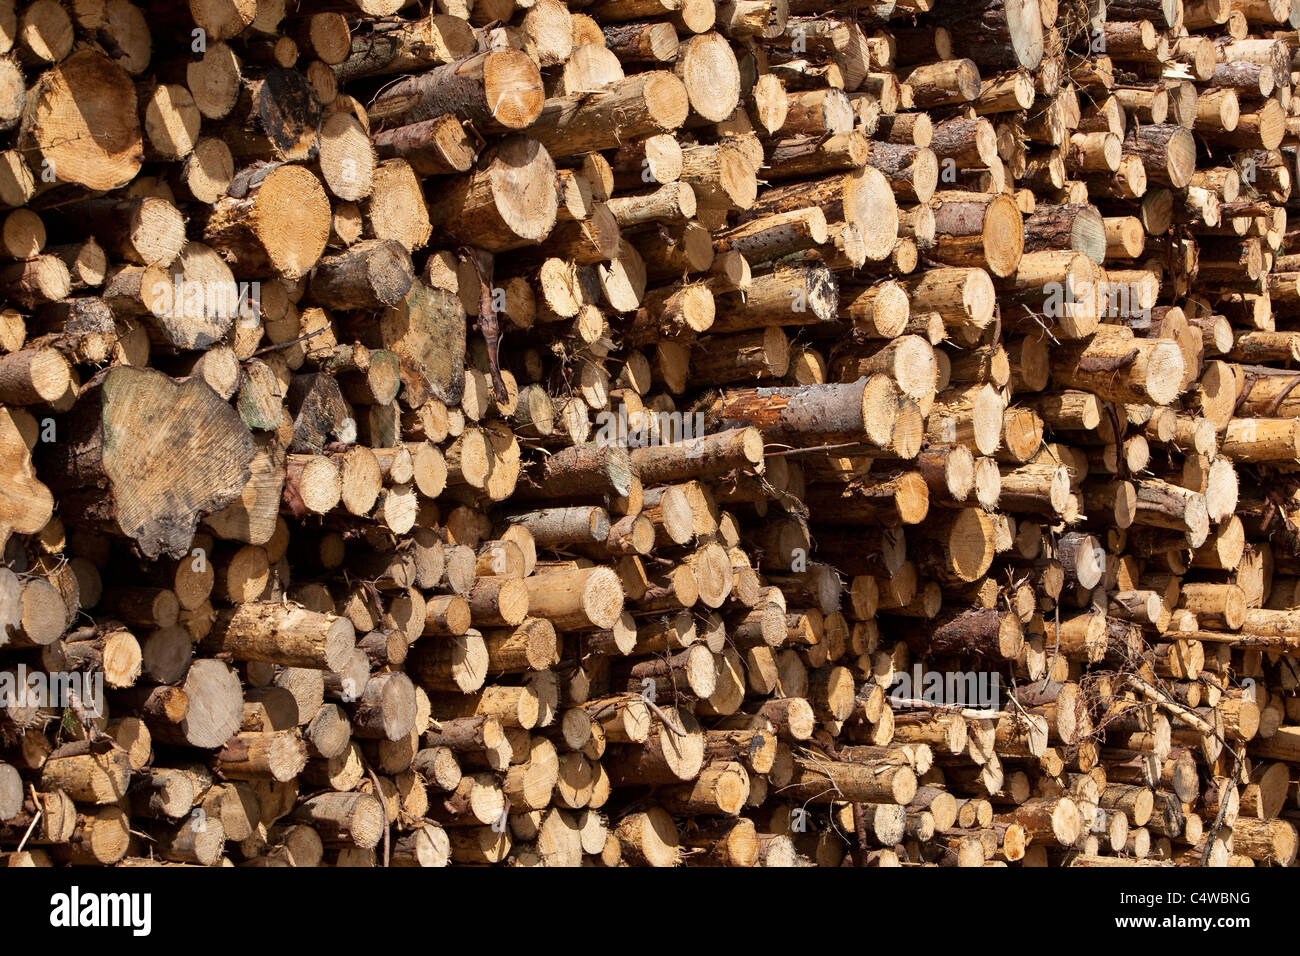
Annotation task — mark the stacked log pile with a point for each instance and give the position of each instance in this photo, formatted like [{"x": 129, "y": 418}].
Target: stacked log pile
[{"x": 649, "y": 432}]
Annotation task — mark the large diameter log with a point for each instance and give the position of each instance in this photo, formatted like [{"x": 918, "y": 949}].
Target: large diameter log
[
  {"x": 509, "y": 202},
  {"x": 456, "y": 663},
  {"x": 533, "y": 645},
  {"x": 720, "y": 788},
  {"x": 707, "y": 68},
  {"x": 802, "y": 295},
  {"x": 961, "y": 296},
  {"x": 88, "y": 777},
  {"x": 385, "y": 709},
  {"x": 863, "y": 198},
  {"x": 1062, "y": 286},
  {"x": 427, "y": 331},
  {"x": 284, "y": 634},
  {"x": 957, "y": 546},
  {"x": 356, "y": 819},
  {"x": 558, "y": 528},
  {"x": 1049, "y": 818},
  {"x": 1261, "y": 440},
  {"x": 82, "y": 123},
  {"x": 812, "y": 414},
  {"x": 277, "y": 116},
  {"x": 147, "y": 230},
  {"x": 725, "y": 359},
  {"x": 496, "y": 90},
  {"x": 35, "y": 282},
  {"x": 908, "y": 360},
  {"x": 879, "y": 311},
  {"x": 1076, "y": 226},
  {"x": 581, "y": 471},
  {"x": 213, "y": 703},
  {"x": 1163, "y": 504},
  {"x": 888, "y": 500},
  {"x": 649, "y": 838},
  {"x": 150, "y": 456},
  {"x": 668, "y": 755}
]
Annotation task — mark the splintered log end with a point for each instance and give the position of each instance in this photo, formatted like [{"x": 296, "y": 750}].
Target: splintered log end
[
  {"x": 81, "y": 121},
  {"x": 25, "y": 503},
  {"x": 160, "y": 454}
]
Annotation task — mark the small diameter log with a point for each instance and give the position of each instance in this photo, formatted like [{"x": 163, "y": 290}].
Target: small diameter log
[
  {"x": 280, "y": 756},
  {"x": 641, "y": 105},
  {"x": 945, "y": 83},
  {"x": 1167, "y": 151},
  {"x": 972, "y": 229},
  {"x": 508, "y": 202},
  {"x": 579, "y": 599},
  {"x": 913, "y": 171},
  {"x": 773, "y": 237},
  {"x": 372, "y": 274},
  {"x": 709, "y": 456},
  {"x": 355, "y": 819},
  {"x": 273, "y": 219},
  {"x": 399, "y": 46},
  {"x": 500, "y": 90},
  {"x": 983, "y": 633},
  {"x": 433, "y": 147},
  {"x": 813, "y": 414},
  {"x": 826, "y": 782},
  {"x": 560, "y": 528},
  {"x": 284, "y": 634}
]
